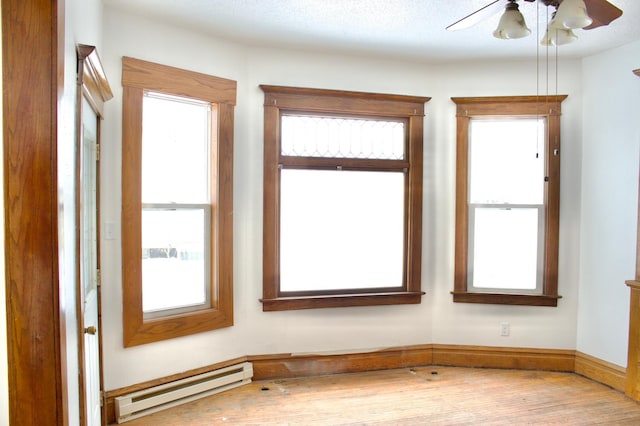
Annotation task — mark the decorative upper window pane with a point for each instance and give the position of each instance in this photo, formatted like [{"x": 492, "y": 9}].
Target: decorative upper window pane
[
  {"x": 175, "y": 149},
  {"x": 340, "y": 137}
]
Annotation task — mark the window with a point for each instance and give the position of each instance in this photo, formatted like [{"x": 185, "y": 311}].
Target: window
[
  {"x": 342, "y": 198},
  {"x": 507, "y": 200},
  {"x": 177, "y": 196}
]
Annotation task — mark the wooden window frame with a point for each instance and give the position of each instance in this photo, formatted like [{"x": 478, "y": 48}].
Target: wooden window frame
[
  {"x": 295, "y": 100},
  {"x": 549, "y": 108},
  {"x": 138, "y": 76}
]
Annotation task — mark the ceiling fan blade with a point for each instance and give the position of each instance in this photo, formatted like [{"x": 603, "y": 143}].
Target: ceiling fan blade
[
  {"x": 602, "y": 12},
  {"x": 479, "y": 15}
]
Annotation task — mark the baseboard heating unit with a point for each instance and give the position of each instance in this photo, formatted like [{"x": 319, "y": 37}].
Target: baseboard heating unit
[{"x": 138, "y": 404}]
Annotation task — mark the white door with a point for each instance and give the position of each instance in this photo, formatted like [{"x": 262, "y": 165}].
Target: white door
[{"x": 89, "y": 273}]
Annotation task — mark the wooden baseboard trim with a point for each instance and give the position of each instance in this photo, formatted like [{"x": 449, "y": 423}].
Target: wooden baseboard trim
[
  {"x": 601, "y": 371},
  {"x": 502, "y": 357},
  {"x": 292, "y": 365},
  {"x": 280, "y": 366}
]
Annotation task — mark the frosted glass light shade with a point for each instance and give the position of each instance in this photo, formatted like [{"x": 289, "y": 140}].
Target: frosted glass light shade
[
  {"x": 511, "y": 24},
  {"x": 558, "y": 37},
  {"x": 571, "y": 14}
]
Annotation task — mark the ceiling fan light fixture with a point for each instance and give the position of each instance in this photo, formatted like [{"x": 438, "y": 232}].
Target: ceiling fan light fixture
[
  {"x": 571, "y": 14},
  {"x": 512, "y": 23},
  {"x": 558, "y": 37}
]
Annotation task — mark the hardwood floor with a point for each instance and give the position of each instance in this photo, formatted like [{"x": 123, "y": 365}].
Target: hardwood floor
[{"x": 426, "y": 395}]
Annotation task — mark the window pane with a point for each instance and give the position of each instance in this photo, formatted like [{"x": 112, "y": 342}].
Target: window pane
[
  {"x": 506, "y": 161},
  {"x": 175, "y": 153},
  {"x": 312, "y": 136},
  {"x": 341, "y": 230},
  {"x": 174, "y": 254},
  {"x": 505, "y": 248}
]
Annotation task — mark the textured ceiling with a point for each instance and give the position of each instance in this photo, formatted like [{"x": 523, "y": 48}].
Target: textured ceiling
[{"x": 403, "y": 29}]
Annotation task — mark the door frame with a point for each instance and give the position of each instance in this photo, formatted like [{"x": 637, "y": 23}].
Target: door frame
[{"x": 93, "y": 86}]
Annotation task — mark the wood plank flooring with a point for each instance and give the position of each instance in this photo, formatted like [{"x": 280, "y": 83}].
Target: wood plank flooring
[{"x": 431, "y": 395}]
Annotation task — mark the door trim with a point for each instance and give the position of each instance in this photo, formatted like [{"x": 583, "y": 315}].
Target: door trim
[{"x": 93, "y": 86}]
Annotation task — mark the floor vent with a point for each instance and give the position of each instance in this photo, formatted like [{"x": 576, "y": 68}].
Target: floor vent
[{"x": 138, "y": 404}]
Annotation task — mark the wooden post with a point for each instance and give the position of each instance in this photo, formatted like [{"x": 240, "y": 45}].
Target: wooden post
[
  {"x": 33, "y": 51},
  {"x": 633, "y": 361}
]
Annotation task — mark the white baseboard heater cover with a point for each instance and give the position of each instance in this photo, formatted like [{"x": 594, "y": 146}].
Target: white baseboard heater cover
[{"x": 138, "y": 404}]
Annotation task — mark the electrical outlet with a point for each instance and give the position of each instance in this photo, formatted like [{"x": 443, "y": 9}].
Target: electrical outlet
[{"x": 504, "y": 329}]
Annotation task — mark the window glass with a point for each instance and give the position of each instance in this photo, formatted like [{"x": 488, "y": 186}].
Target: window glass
[
  {"x": 505, "y": 249},
  {"x": 175, "y": 149},
  {"x": 175, "y": 171},
  {"x": 342, "y": 137},
  {"x": 506, "y": 181},
  {"x": 341, "y": 230},
  {"x": 506, "y": 161},
  {"x": 174, "y": 253}
]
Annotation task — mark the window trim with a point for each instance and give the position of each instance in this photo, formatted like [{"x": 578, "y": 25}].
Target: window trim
[
  {"x": 279, "y": 99},
  {"x": 548, "y": 107},
  {"x": 138, "y": 76}
]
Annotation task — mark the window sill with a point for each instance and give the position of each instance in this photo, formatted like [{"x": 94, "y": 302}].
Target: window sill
[
  {"x": 343, "y": 300},
  {"x": 506, "y": 299}
]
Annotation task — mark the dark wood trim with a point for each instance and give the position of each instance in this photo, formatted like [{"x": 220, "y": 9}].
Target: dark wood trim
[
  {"x": 271, "y": 210},
  {"x": 343, "y": 102},
  {"x": 506, "y": 107},
  {"x": 505, "y": 298},
  {"x": 552, "y": 212},
  {"x": 503, "y": 357},
  {"x": 343, "y": 163},
  {"x": 633, "y": 352},
  {"x": 601, "y": 371},
  {"x": 633, "y": 284},
  {"x": 462, "y": 211},
  {"x": 290, "y": 365},
  {"x": 287, "y": 365},
  {"x": 166, "y": 79},
  {"x": 131, "y": 214},
  {"x": 632, "y": 389},
  {"x": 307, "y": 101},
  {"x": 138, "y": 76},
  {"x": 32, "y": 78},
  {"x": 324, "y": 93},
  {"x": 92, "y": 78},
  {"x": 340, "y": 300},
  {"x": 413, "y": 217},
  {"x": 511, "y": 99}
]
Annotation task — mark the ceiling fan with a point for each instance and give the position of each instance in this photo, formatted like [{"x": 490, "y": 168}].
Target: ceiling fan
[{"x": 568, "y": 15}]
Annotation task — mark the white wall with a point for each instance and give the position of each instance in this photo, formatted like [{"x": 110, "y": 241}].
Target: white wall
[
  {"x": 437, "y": 319},
  {"x": 611, "y": 147},
  {"x": 479, "y": 324},
  {"x": 4, "y": 371},
  {"x": 83, "y": 24}
]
